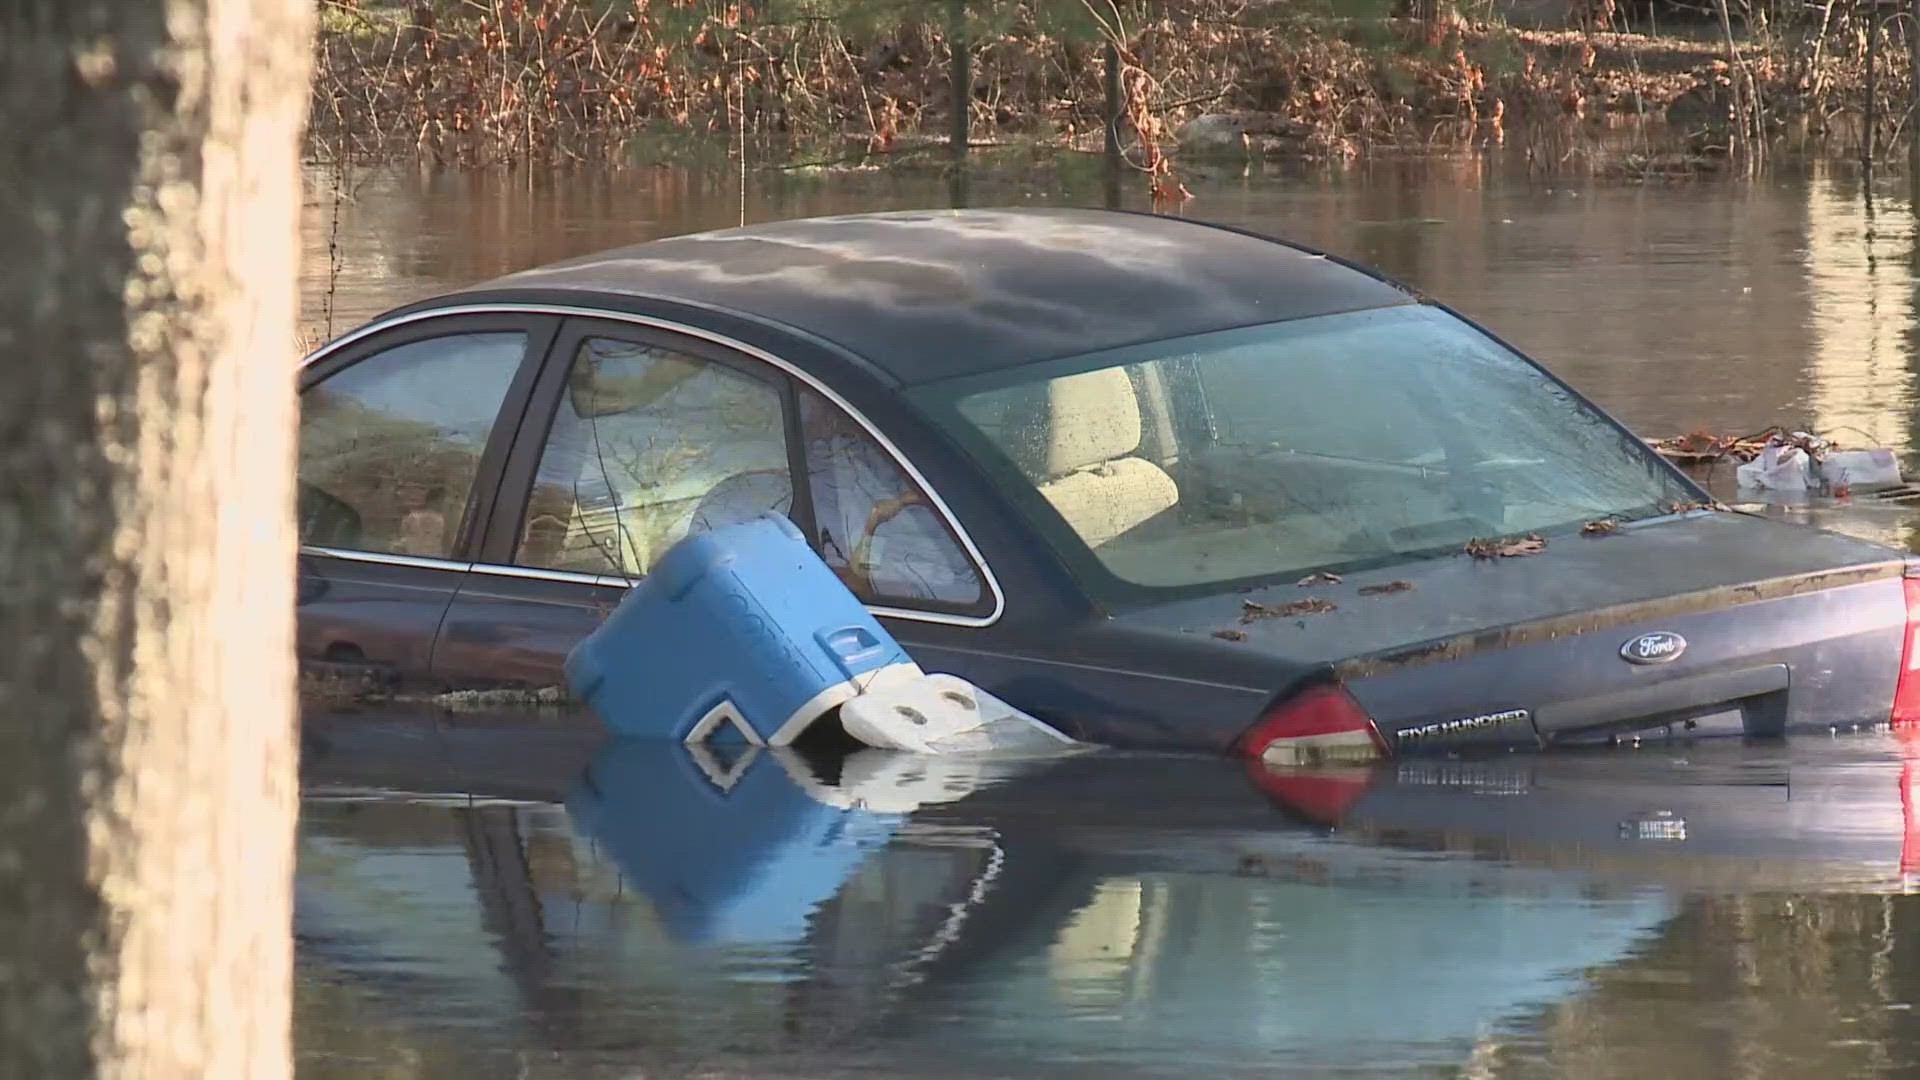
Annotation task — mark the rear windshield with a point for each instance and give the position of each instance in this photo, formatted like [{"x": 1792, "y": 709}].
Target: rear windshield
[{"x": 1317, "y": 444}]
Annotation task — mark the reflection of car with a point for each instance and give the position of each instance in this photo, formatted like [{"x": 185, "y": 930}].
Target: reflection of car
[
  {"x": 1814, "y": 815},
  {"x": 860, "y": 909},
  {"x": 1082, "y": 460}
]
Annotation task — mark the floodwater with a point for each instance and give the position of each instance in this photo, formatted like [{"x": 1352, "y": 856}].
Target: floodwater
[
  {"x": 477, "y": 901},
  {"x": 507, "y": 897}
]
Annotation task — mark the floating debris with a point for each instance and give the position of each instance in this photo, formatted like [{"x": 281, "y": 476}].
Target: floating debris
[
  {"x": 1388, "y": 587},
  {"x": 468, "y": 700},
  {"x": 1603, "y": 527},
  {"x": 1319, "y": 579},
  {"x": 1705, "y": 447},
  {"x": 1230, "y": 635},
  {"x": 1844, "y": 470},
  {"x": 1696, "y": 447},
  {"x": 1519, "y": 546},
  {"x": 1903, "y": 493},
  {"x": 1312, "y": 605}
]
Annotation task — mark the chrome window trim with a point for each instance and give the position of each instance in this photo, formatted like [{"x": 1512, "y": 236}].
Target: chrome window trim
[
  {"x": 946, "y": 512},
  {"x": 540, "y": 574},
  {"x": 416, "y": 561}
]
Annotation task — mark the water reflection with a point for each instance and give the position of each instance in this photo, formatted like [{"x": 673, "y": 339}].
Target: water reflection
[
  {"x": 1859, "y": 258},
  {"x": 1690, "y": 910}
]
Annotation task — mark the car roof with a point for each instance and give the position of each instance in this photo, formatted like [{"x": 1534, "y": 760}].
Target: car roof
[{"x": 933, "y": 294}]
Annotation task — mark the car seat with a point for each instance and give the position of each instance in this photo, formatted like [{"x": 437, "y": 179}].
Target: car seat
[{"x": 1082, "y": 453}]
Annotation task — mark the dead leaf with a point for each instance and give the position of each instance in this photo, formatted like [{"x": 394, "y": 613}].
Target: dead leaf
[
  {"x": 1231, "y": 635},
  {"x": 1703, "y": 447},
  {"x": 1690, "y": 507},
  {"x": 1312, "y": 605},
  {"x": 1311, "y": 580},
  {"x": 1695, "y": 446},
  {"x": 1603, "y": 527},
  {"x": 1388, "y": 587},
  {"x": 1530, "y": 544}
]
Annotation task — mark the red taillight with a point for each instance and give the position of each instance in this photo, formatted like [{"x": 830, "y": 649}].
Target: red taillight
[
  {"x": 1319, "y": 725},
  {"x": 1906, "y": 692}
]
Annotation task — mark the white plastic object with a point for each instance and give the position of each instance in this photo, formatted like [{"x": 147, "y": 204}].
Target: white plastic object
[
  {"x": 1778, "y": 468},
  {"x": 1844, "y": 470},
  {"x": 890, "y": 782},
  {"x": 943, "y": 714}
]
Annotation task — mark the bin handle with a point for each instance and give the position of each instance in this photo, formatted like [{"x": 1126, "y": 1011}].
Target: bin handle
[{"x": 851, "y": 646}]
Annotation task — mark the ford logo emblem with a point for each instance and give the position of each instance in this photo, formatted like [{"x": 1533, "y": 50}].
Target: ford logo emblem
[{"x": 1659, "y": 647}]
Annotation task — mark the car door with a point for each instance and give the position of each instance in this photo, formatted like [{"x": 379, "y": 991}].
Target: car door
[
  {"x": 637, "y": 435},
  {"x": 402, "y": 435}
]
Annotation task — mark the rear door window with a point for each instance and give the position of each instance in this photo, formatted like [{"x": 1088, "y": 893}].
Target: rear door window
[
  {"x": 650, "y": 444},
  {"x": 877, "y": 529},
  {"x": 1338, "y": 441}
]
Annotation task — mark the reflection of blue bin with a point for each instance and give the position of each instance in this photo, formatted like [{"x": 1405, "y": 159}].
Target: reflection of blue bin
[
  {"x": 743, "y": 623},
  {"x": 742, "y": 863}
]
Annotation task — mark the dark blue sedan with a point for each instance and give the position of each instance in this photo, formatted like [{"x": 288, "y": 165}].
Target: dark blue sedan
[{"x": 1158, "y": 483}]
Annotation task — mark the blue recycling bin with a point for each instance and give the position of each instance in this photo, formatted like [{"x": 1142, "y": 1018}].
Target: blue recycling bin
[{"x": 743, "y": 627}]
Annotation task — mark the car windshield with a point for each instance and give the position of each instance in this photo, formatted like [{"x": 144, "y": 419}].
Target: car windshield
[{"x": 1332, "y": 442}]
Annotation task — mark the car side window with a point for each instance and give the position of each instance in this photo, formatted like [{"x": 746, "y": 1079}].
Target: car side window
[
  {"x": 648, "y": 445},
  {"x": 390, "y": 446},
  {"x": 877, "y": 529}
]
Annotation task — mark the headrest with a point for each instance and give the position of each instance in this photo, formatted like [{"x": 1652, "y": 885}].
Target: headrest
[{"x": 1089, "y": 418}]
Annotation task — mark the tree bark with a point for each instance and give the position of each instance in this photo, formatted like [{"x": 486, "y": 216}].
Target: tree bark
[{"x": 148, "y": 194}]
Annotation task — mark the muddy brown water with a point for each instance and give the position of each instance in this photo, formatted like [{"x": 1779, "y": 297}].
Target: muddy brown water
[{"x": 508, "y": 898}]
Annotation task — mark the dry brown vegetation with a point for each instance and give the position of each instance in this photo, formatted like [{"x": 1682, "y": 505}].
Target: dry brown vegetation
[{"x": 488, "y": 82}]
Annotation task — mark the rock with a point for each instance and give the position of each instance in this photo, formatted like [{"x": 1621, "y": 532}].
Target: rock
[
  {"x": 1265, "y": 133},
  {"x": 1212, "y": 131}
]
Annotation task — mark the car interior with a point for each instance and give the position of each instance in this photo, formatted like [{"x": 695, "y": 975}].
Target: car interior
[
  {"x": 1146, "y": 474},
  {"x": 638, "y": 459}
]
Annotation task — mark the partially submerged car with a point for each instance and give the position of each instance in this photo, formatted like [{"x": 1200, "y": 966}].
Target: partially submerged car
[{"x": 1156, "y": 482}]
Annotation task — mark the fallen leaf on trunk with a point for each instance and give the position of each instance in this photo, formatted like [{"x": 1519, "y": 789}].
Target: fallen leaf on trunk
[
  {"x": 1312, "y": 605},
  {"x": 1388, "y": 587},
  {"x": 1603, "y": 527},
  {"x": 1231, "y": 635},
  {"x": 1319, "y": 579},
  {"x": 1530, "y": 544}
]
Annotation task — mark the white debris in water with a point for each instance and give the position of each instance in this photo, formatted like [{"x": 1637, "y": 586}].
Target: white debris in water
[{"x": 464, "y": 700}]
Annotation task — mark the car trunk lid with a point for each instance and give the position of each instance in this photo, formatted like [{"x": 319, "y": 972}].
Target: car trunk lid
[{"x": 1749, "y": 624}]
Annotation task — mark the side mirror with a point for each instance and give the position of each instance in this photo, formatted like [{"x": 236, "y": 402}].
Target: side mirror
[{"x": 325, "y": 521}]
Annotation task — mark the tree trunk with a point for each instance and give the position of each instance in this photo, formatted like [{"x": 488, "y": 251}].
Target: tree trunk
[
  {"x": 1116, "y": 112},
  {"x": 148, "y": 197},
  {"x": 960, "y": 56}
]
